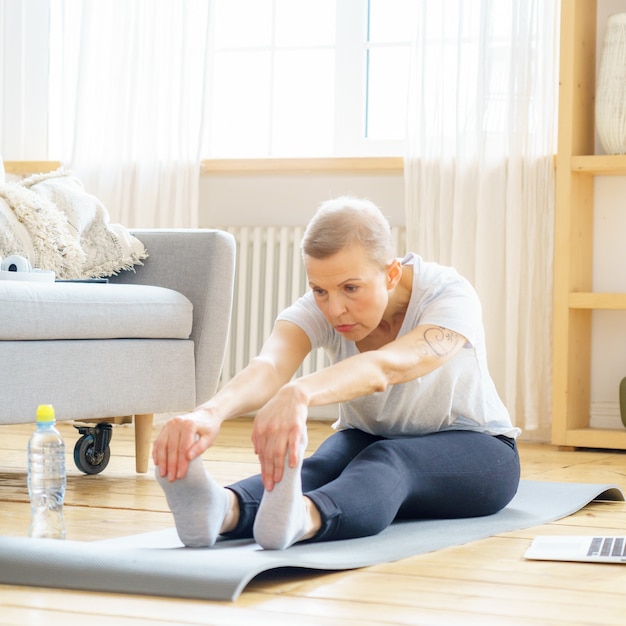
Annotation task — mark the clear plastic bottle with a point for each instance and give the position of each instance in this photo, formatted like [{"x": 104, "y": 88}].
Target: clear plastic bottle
[{"x": 46, "y": 477}]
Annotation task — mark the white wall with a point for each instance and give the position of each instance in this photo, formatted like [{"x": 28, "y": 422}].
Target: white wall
[
  {"x": 291, "y": 199},
  {"x": 608, "y": 365}
]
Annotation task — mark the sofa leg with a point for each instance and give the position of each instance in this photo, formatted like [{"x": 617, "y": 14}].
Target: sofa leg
[{"x": 143, "y": 440}]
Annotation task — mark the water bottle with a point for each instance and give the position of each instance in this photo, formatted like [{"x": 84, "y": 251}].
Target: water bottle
[{"x": 46, "y": 477}]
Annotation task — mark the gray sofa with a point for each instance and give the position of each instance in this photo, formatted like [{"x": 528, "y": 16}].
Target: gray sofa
[{"x": 150, "y": 341}]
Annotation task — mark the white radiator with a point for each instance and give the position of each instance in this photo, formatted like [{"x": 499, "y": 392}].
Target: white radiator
[{"x": 269, "y": 276}]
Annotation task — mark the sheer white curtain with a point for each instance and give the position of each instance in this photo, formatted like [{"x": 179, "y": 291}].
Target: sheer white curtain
[
  {"x": 128, "y": 114},
  {"x": 479, "y": 177},
  {"x": 23, "y": 79}
]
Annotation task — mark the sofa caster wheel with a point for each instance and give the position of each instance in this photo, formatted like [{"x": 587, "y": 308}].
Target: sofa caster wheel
[{"x": 92, "y": 452}]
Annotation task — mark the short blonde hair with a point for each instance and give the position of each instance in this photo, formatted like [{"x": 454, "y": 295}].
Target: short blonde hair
[{"x": 344, "y": 221}]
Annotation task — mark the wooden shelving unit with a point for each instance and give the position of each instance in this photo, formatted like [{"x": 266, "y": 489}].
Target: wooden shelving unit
[{"x": 574, "y": 299}]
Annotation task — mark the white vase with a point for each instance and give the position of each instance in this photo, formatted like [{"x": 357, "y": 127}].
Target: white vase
[{"x": 611, "y": 87}]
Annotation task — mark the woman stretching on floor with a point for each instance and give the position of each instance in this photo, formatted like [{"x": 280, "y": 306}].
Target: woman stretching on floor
[{"x": 421, "y": 433}]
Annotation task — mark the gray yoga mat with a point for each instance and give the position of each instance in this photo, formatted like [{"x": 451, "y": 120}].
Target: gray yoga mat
[{"x": 157, "y": 564}]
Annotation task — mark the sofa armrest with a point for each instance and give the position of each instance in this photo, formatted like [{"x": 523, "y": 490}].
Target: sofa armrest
[{"x": 200, "y": 264}]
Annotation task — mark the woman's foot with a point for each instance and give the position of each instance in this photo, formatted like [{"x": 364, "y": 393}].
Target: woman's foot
[
  {"x": 200, "y": 505},
  {"x": 285, "y": 516}
]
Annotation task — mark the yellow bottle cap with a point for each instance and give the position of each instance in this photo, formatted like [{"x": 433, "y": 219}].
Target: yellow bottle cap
[{"x": 45, "y": 413}]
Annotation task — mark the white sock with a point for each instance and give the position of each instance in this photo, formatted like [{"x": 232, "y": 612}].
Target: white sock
[
  {"x": 198, "y": 503},
  {"x": 281, "y": 519}
]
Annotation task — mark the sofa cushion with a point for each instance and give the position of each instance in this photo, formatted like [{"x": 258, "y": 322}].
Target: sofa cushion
[{"x": 41, "y": 311}]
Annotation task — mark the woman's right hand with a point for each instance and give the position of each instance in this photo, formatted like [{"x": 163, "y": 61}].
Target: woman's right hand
[
  {"x": 182, "y": 439},
  {"x": 185, "y": 437}
]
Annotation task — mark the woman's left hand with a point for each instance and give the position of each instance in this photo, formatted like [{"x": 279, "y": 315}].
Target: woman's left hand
[{"x": 277, "y": 432}]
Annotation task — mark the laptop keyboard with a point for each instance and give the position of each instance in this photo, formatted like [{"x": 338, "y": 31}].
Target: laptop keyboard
[{"x": 607, "y": 546}]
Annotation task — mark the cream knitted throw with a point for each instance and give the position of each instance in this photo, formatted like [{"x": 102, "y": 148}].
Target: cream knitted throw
[{"x": 52, "y": 221}]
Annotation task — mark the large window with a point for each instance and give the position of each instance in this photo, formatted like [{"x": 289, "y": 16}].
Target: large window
[
  {"x": 309, "y": 77},
  {"x": 286, "y": 77}
]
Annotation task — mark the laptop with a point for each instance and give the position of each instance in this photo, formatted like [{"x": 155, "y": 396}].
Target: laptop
[{"x": 589, "y": 548}]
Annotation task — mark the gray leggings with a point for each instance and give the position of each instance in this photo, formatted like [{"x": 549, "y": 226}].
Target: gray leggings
[{"x": 360, "y": 482}]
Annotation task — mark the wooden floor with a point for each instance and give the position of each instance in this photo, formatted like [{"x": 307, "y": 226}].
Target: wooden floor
[{"x": 484, "y": 582}]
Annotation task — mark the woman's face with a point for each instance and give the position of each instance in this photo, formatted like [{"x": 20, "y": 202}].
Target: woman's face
[{"x": 350, "y": 290}]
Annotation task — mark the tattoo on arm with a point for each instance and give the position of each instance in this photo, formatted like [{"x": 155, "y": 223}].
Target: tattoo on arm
[{"x": 441, "y": 341}]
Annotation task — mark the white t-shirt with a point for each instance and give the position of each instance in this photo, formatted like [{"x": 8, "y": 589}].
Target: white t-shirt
[{"x": 459, "y": 395}]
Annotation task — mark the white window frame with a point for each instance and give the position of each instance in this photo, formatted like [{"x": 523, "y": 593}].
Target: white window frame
[
  {"x": 34, "y": 102},
  {"x": 350, "y": 86},
  {"x": 350, "y": 91}
]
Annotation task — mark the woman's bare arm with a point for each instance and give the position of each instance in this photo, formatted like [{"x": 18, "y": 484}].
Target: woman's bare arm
[
  {"x": 278, "y": 426},
  {"x": 185, "y": 437},
  {"x": 278, "y": 360},
  {"x": 415, "y": 354}
]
